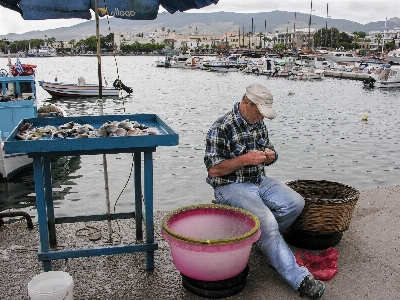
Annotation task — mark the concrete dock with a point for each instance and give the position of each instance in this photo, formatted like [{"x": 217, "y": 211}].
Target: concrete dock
[{"x": 369, "y": 260}]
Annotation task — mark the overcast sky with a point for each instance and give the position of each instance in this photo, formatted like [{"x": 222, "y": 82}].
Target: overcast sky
[{"x": 361, "y": 11}]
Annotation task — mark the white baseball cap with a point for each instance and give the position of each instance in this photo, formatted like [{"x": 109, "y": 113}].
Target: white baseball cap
[{"x": 262, "y": 97}]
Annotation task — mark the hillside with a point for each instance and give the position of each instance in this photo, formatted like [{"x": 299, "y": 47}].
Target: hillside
[{"x": 208, "y": 23}]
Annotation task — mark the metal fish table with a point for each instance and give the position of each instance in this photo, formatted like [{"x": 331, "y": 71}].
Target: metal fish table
[{"x": 41, "y": 150}]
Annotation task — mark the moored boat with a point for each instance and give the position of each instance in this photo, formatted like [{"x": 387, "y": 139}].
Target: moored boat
[
  {"x": 304, "y": 76},
  {"x": 18, "y": 101},
  {"x": 46, "y": 51},
  {"x": 387, "y": 78},
  {"x": 342, "y": 56},
  {"x": 231, "y": 63},
  {"x": 193, "y": 62},
  {"x": 82, "y": 89},
  {"x": 176, "y": 61},
  {"x": 393, "y": 57}
]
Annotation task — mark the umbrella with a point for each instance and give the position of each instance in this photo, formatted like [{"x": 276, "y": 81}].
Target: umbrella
[{"x": 125, "y": 9}]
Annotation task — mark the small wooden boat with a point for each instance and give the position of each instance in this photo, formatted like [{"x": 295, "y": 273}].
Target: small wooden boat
[{"x": 82, "y": 89}]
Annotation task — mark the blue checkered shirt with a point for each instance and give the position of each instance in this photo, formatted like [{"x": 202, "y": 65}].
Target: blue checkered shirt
[{"x": 231, "y": 136}]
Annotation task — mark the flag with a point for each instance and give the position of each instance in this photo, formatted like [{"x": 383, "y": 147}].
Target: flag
[{"x": 18, "y": 67}]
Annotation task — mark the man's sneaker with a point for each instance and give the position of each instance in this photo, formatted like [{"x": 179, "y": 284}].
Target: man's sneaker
[{"x": 311, "y": 288}]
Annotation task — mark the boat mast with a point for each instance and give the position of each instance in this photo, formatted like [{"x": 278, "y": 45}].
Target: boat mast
[
  {"x": 384, "y": 35},
  {"x": 105, "y": 166},
  {"x": 294, "y": 30},
  {"x": 309, "y": 29},
  {"x": 243, "y": 35},
  {"x": 326, "y": 26},
  {"x": 239, "y": 37},
  {"x": 265, "y": 30},
  {"x": 98, "y": 54}
]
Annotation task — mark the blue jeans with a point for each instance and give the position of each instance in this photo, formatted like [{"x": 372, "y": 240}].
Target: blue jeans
[{"x": 276, "y": 206}]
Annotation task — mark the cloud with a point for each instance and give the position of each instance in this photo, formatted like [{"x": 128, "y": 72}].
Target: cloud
[{"x": 361, "y": 11}]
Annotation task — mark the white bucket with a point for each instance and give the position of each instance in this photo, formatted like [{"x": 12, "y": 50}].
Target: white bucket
[{"x": 52, "y": 285}]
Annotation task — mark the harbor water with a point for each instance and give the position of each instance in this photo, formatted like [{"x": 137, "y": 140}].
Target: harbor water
[{"x": 319, "y": 133}]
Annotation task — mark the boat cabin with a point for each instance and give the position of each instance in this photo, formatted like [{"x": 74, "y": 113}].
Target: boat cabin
[
  {"x": 17, "y": 101},
  {"x": 17, "y": 86}
]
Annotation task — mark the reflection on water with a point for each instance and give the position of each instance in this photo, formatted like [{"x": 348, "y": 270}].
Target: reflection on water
[
  {"x": 318, "y": 133},
  {"x": 19, "y": 193}
]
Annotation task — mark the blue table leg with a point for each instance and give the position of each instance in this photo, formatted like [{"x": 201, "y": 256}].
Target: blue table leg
[
  {"x": 148, "y": 207},
  {"x": 48, "y": 190},
  {"x": 41, "y": 210},
  {"x": 138, "y": 195}
]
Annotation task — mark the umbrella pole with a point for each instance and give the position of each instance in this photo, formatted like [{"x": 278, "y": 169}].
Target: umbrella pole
[{"x": 105, "y": 167}]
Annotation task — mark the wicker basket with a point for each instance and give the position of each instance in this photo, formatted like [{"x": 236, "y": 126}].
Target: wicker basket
[{"x": 328, "y": 206}]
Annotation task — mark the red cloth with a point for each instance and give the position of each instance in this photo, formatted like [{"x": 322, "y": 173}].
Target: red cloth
[{"x": 322, "y": 266}]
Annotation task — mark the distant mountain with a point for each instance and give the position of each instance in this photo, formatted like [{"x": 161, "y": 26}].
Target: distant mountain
[{"x": 208, "y": 23}]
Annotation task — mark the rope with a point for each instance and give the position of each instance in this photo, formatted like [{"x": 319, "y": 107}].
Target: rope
[
  {"x": 89, "y": 231},
  {"x": 115, "y": 58},
  {"x": 123, "y": 189},
  {"x": 123, "y": 105}
]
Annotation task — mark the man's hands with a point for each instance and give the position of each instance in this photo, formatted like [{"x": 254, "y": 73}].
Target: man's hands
[
  {"x": 257, "y": 157},
  {"x": 269, "y": 155},
  {"x": 252, "y": 158}
]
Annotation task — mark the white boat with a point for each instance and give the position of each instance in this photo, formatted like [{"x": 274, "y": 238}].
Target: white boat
[
  {"x": 18, "y": 101},
  {"x": 306, "y": 75},
  {"x": 322, "y": 50},
  {"x": 160, "y": 63},
  {"x": 387, "y": 78},
  {"x": 231, "y": 63},
  {"x": 46, "y": 51},
  {"x": 82, "y": 89},
  {"x": 31, "y": 52},
  {"x": 342, "y": 56},
  {"x": 321, "y": 63},
  {"x": 273, "y": 67},
  {"x": 253, "y": 66},
  {"x": 193, "y": 62},
  {"x": 393, "y": 57},
  {"x": 176, "y": 61}
]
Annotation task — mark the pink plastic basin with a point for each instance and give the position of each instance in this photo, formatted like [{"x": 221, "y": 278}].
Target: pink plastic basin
[{"x": 210, "y": 242}]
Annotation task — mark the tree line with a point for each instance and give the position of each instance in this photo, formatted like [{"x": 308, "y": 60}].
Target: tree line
[
  {"x": 81, "y": 46},
  {"x": 329, "y": 38}
]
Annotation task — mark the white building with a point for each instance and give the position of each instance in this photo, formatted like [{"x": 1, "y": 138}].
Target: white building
[{"x": 379, "y": 38}]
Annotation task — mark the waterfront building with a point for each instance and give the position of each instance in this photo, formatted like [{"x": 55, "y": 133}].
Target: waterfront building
[{"x": 375, "y": 40}]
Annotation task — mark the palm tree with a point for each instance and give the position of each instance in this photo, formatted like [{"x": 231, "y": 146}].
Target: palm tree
[
  {"x": 261, "y": 35},
  {"x": 72, "y": 43},
  {"x": 249, "y": 34},
  {"x": 287, "y": 39},
  {"x": 379, "y": 39},
  {"x": 51, "y": 40},
  {"x": 184, "y": 47},
  {"x": 269, "y": 40},
  {"x": 198, "y": 41},
  {"x": 355, "y": 37}
]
